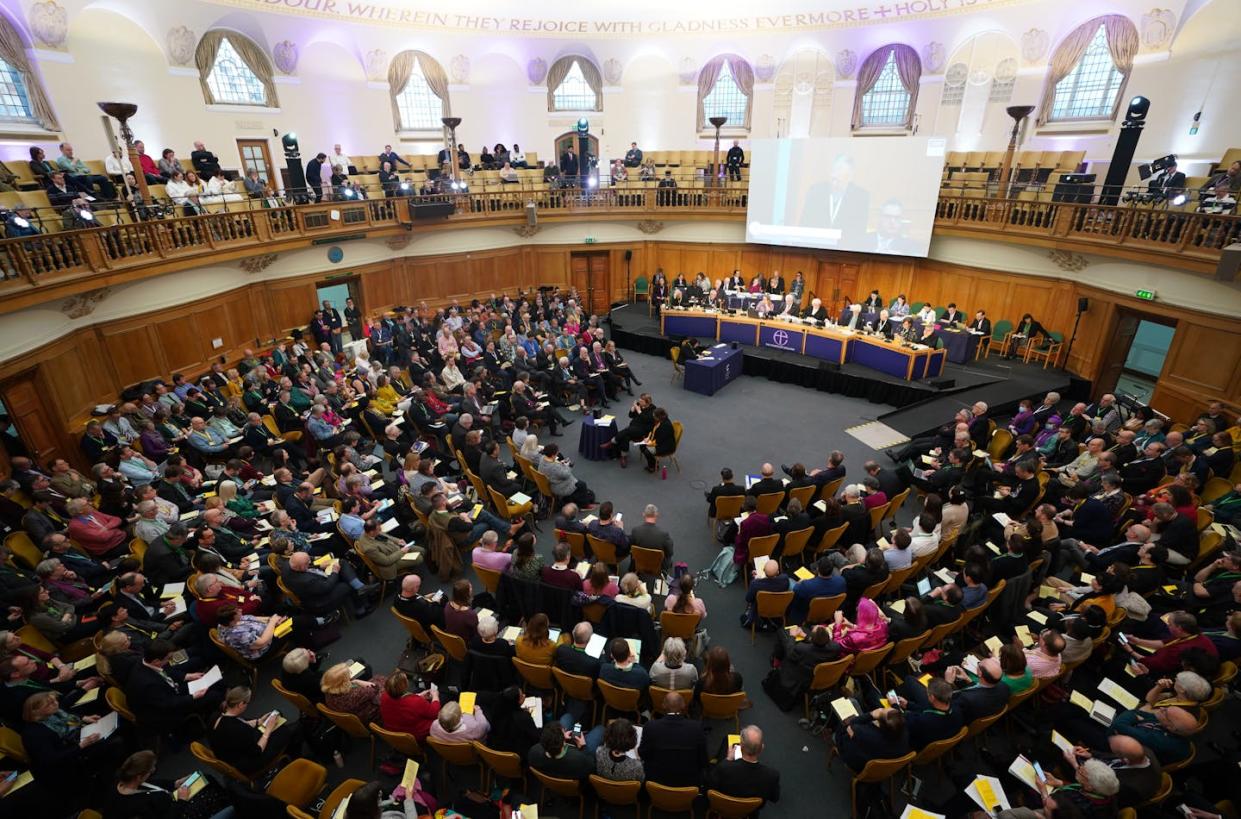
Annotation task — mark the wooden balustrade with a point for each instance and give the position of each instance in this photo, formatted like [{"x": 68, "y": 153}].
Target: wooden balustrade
[{"x": 1185, "y": 239}]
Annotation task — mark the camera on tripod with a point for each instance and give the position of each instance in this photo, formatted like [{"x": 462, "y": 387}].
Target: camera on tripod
[{"x": 1152, "y": 174}]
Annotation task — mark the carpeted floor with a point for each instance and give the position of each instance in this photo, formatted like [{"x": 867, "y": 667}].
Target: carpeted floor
[{"x": 751, "y": 421}]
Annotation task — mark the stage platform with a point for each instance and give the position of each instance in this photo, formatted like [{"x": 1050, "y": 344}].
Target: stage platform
[{"x": 921, "y": 406}]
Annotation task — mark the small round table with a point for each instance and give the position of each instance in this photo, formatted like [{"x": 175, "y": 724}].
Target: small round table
[{"x": 596, "y": 433}]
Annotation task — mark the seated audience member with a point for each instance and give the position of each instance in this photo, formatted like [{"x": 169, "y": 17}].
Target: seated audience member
[
  {"x": 534, "y": 644},
  {"x": 251, "y": 745},
  {"x": 613, "y": 759},
  {"x": 299, "y": 672},
  {"x": 391, "y": 557},
  {"x": 797, "y": 654},
  {"x": 624, "y": 671},
  {"x": 561, "y": 753},
  {"x": 342, "y": 692},
  {"x": 561, "y": 572},
  {"x": 670, "y": 669},
  {"x": 52, "y": 739},
  {"x": 160, "y": 703},
  {"x": 460, "y": 618},
  {"x": 407, "y": 711},
  {"x": 746, "y": 777},
  {"x": 453, "y": 726},
  {"x": 718, "y": 675}
]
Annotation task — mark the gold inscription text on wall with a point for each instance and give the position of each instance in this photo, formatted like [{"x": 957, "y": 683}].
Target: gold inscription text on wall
[{"x": 861, "y": 14}]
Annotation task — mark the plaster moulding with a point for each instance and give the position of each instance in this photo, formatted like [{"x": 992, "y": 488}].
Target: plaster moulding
[
  {"x": 181, "y": 42},
  {"x": 257, "y": 264},
  {"x": 83, "y": 304},
  {"x": 49, "y": 23}
]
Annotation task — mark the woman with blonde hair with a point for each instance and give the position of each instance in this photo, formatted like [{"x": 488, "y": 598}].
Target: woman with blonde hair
[
  {"x": 530, "y": 448},
  {"x": 358, "y": 697}
]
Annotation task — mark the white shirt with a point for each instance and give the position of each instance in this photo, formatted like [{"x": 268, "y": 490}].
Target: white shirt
[
  {"x": 515, "y": 157},
  {"x": 117, "y": 167},
  {"x": 179, "y": 191},
  {"x": 340, "y": 163}
]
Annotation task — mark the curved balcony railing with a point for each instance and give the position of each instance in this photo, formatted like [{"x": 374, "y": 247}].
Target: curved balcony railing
[{"x": 234, "y": 230}]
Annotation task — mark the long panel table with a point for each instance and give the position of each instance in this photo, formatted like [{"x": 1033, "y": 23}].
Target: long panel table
[{"x": 825, "y": 343}]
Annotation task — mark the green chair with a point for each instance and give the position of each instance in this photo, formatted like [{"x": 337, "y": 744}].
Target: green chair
[
  {"x": 641, "y": 288},
  {"x": 1001, "y": 337},
  {"x": 940, "y": 312},
  {"x": 1048, "y": 350},
  {"x": 916, "y": 307}
]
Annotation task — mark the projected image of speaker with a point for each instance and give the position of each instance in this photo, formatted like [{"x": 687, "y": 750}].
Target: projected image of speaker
[{"x": 1075, "y": 188}]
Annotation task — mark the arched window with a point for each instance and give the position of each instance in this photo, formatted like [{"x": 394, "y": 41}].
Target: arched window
[
  {"x": 1090, "y": 89},
  {"x": 22, "y": 98},
  {"x": 725, "y": 89},
  {"x": 887, "y": 88},
  {"x": 1088, "y": 71},
  {"x": 232, "y": 70},
  {"x": 14, "y": 100},
  {"x": 574, "y": 84},
  {"x": 419, "y": 89}
]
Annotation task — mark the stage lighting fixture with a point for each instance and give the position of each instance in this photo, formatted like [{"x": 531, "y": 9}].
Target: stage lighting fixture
[
  {"x": 86, "y": 215},
  {"x": 592, "y": 182},
  {"x": 404, "y": 186},
  {"x": 1179, "y": 200},
  {"x": 1138, "y": 106},
  {"x": 20, "y": 222},
  {"x": 349, "y": 194},
  {"x": 583, "y": 125}
]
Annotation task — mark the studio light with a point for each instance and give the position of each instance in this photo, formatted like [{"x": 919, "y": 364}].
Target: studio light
[
  {"x": 592, "y": 182},
  {"x": 1179, "y": 200},
  {"x": 404, "y": 186},
  {"x": 583, "y": 125},
  {"x": 86, "y": 216},
  {"x": 349, "y": 194},
  {"x": 1138, "y": 106},
  {"x": 20, "y": 222}
]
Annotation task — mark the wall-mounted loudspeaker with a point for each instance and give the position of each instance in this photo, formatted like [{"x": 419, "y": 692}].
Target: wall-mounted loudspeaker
[{"x": 1083, "y": 304}]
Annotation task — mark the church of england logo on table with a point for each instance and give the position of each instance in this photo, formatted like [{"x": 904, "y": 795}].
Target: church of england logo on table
[{"x": 780, "y": 338}]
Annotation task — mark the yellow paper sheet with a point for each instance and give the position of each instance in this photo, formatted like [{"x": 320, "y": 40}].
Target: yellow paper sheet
[{"x": 466, "y": 701}]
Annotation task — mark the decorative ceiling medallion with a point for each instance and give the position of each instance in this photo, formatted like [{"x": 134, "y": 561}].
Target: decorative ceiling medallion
[
  {"x": 650, "y": 226},
  {"x": 83, "y": 304},
  {"x": 459, "y": 68},
  {"x": 400, "y": 241},
  {"x": 933, "y": 57},
  {"x": 257, "y": 264},
  {"x": 526, "y": 231},
  {"x": 764, "y": 68},
  {"x": 612, "y": 71}
]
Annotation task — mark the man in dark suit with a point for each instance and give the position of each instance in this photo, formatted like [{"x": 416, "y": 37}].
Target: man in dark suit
[
  {"x": 746, "y": 777},
  {"x": 884, "y": 326},
  {"x": 567, "y": 520},
  {"x": 856, "y": 516},
  {"x": 572, "y": 657},
  {"x": 952, "y": 315},
  {"x": 815, "y": 310},
  {"x": 767, "y": 484},
  {"x": 940, "y": 480},
  {"x": 323, "y": 593},
  {"x": 725, "y": 488},
  {"x": 938, "y": 721},
  {"x": 889, "y": 482},
  {"x": 674, "y": 747},
  {"x": 206, "y": 163},
  {"x": 648, "y": 535},
  {"x": 1168, "y": 184},
  {"x": 495, "y": 473},
  {"x": 314, "y": 175},
  {"x": 166, "y": 559},
  {"x": 392, "y": 158},
  {"x": 569, "y": 166},
  {"x": 1144, "y": 473},
  {"x": 889, "y": 237},
  {"x": 159, "y": 702},
  {"x": 838, "y": 204},
  {"x": 413, "y": 605},
  {"x": 641, "y": 422}
]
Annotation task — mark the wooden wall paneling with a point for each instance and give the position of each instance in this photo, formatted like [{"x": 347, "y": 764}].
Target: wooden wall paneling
[
  {"x": 1198, "y": 357},
  {"x": 1095, "y": 328},
  {"x": 291, "y": 303},
  {"x": 184, "y": 348},
  {"x": 245, "y": 323},
  {"x": 76, "y": 374},
  {"x": 755, "y": 260},
  {"x": 134, "y": 351},
  {"x": 550, "y": 266}
]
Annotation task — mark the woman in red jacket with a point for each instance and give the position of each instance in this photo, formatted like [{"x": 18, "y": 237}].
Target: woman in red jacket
[{"x": 404, "y": 711}]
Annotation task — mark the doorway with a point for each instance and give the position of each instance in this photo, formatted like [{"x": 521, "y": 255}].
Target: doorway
[
  {"x": 591, "y": 275},
  {"x": 27, "y": 420},
  {"x": 1135, "y": 355},
  {"x": 255, "y": 156},
  {"x": 338, "y": 292},
  {"x": 1145, "y": 360}
]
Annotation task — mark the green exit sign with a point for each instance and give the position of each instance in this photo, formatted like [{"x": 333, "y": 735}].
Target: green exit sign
[
  {"x": 590, "y": 240},
  {"x": 1148, "y": 295}
]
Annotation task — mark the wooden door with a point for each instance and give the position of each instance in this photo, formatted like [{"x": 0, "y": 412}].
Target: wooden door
[
  {"x": 255, "y": 155},
  {"x": 1117, "y": 351},
  {"x": 31, "y": 416},
  {"x": 590, "y": 273}
]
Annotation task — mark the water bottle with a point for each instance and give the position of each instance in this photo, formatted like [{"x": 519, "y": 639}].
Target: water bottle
[{"x": 663, "y": 473}]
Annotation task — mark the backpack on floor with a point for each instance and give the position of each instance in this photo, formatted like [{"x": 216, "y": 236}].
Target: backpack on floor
[{"x": 723, "y": 570}]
